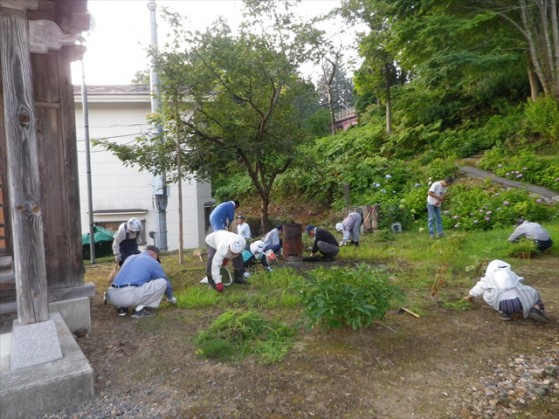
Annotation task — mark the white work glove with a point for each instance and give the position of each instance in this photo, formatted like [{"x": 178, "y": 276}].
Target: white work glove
[
  {"x": 117, "y": 258},
  {"x": 172, "y": 300}
]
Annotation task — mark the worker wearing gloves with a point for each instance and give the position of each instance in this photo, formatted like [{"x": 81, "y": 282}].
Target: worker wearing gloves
[
  {"x": 503, "y": 290},
  {"x": 350, "y": 227},
  {"x": 222, "y": 246},
  {"x": 126, "y": 240}
]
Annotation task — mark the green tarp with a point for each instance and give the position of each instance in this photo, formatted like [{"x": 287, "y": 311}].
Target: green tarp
[{"x": 103, "y": 240}]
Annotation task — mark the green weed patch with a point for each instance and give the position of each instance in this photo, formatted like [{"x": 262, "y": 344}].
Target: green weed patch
[{"x": 236, "y": 334}]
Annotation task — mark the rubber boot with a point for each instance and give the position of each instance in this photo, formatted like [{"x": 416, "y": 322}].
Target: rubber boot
[{"x": 238, "y": 277}]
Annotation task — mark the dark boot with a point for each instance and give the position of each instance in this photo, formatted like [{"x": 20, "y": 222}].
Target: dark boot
[
  {"x": 356, "y": 244},
  {"x": 238, "y": 277}
]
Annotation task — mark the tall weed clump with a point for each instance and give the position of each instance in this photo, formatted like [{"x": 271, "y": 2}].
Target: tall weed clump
[
  {"x": 236, "y": 334},
  {"x": 340, "y": 297}
]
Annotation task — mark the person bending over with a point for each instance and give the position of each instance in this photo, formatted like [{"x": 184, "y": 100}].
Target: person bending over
[
  {"x": 223, "y": 215},
  {"x": 531, "y": 231},
  {"x": 350, "y": 227},
  {"x": 126, "y": 240},
  {"x": 224, "y": 246},
  {"x": 503, "y": 290}
]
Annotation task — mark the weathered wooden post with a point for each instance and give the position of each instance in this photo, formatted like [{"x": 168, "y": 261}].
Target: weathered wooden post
[{"x": 23, "y": 168}]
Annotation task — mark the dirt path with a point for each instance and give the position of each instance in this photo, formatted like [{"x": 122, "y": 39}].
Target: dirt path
[{"x": 443, "y": 365}]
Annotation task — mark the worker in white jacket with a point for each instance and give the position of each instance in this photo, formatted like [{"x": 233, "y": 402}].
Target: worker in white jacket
[
  {"x": 224, "y": 245},
  {"x": 531, "y": 231},
  {"x": 503, "y": 290}
]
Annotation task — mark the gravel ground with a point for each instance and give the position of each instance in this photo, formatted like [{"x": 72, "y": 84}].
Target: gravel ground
[{"x": 513, "y": 384}]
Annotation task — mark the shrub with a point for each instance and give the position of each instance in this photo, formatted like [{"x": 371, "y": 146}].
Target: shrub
[
  {"x": 337, "y": 298},
  {"x": 523, "y": 166},
  {"x": 483, "y": 207},
  {"x": 543, "y": 117}
]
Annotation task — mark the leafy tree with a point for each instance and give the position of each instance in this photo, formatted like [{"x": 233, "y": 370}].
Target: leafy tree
[
  {"x": 231, "y": 101},
  {"x": 336, "y": 89},
  {"x": 141, "y": 77},
  {"x": 380, "y": 70}
]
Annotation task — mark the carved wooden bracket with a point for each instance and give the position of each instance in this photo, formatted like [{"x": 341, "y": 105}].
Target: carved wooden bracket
[
  {"x": 45, "y": 35},
  {"x": 20, "y": 4}
]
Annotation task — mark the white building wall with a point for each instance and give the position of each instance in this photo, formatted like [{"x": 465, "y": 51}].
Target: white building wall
[{"x": 117, "y": 187}]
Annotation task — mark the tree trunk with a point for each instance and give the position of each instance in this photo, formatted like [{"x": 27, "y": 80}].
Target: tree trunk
[
  {"x": 264, "y": 220},
  {"x": 329, "y": 72},
  {"x": 388, "y": 100},
  {"x": 533, "y": 80}
]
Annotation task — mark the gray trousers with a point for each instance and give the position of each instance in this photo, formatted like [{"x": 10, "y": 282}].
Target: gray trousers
[
  {"x": 148, "y": 295},
  {"x": 328, "y": 249}
]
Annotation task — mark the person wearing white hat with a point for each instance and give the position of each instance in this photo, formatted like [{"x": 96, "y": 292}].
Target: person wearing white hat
[
  {"x": 256, "y": 253},
  {"x": 503, "y": 290},
  {"x": 126, "y": 240},
  {"x": 350, "y": 227},
  {"x": 223, "y": 246}
]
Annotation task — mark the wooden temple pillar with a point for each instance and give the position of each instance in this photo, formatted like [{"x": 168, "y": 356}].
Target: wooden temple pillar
[{"x": 39, "y": 154}]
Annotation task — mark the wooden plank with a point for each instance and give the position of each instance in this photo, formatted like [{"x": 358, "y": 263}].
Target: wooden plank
[
  {"x": 59, "y": 169},
  {"x": 71, "y": 170},
  {"x": 23, "y": 169}
]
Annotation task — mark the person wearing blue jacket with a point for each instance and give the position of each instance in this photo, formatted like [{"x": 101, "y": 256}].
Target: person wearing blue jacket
[
  {"x": 223, "y": 215},
  {"x": 140, "y": 283}
]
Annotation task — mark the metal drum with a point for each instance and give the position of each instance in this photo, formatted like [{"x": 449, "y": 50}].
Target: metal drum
[{"x": 292, "y": 242}]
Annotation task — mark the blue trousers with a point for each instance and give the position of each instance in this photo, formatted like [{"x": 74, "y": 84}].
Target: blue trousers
[{"x": 434, "y": 217}]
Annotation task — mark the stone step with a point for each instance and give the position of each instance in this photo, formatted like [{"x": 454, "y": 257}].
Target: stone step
[
  {"x": 8, "y": 313},
  {"x": 6, "y": 263},
  {"x": 7, "y": 286}
]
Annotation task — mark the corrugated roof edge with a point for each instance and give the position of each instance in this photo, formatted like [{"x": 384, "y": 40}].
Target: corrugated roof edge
[{"x": 128, "y": 89}]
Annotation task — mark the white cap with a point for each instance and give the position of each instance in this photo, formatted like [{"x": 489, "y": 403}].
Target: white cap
[
  {"x": 238, "y": 245},
  {"x": 257, "y": 247},
  {"x": 339, "y": 227},
  {"x": 134, "y": 225}
]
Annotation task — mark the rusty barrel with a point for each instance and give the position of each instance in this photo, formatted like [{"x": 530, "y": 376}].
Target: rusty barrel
[{"x": 292, "y": 242}]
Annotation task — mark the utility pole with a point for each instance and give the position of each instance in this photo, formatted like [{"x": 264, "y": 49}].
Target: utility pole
[
  {"x": 159, "y": 182},
  {"x": 85, "y": 110}
]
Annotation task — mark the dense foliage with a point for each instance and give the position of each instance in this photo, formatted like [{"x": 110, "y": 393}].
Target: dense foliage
[
  {"x": 336, "y": 298},
  {"x": 439, "y": 82}
]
